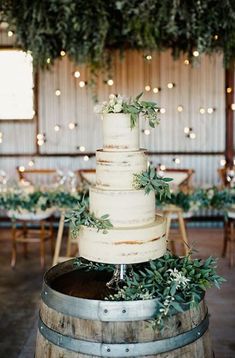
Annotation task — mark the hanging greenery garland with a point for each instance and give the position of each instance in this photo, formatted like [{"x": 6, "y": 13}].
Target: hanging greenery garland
[{"x": 88, "y": 30}]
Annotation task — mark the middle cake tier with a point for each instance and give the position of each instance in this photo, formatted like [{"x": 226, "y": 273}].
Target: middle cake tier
[{"x": 127, "y": 208}]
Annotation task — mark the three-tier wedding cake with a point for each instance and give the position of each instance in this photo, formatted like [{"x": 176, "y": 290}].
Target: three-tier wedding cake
[{"x": 137, "y": 235}]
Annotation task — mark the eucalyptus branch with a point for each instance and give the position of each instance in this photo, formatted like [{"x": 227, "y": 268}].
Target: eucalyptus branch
[
  {"x": 151, "y": 181},
  {"x": 81, "y": 216}
]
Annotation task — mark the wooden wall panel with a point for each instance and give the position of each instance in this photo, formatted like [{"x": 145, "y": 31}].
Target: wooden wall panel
[{"x": 199, "y": 86}]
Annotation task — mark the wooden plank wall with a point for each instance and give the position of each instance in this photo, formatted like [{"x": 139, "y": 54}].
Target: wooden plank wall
[{"x": 200, "y": 86}]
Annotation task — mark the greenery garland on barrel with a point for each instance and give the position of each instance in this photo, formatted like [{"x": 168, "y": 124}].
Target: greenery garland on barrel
[{"x": 88, "y": 30}]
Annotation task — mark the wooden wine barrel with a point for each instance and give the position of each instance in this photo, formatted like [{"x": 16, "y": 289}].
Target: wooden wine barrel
[{"x": 75, "y": 321}]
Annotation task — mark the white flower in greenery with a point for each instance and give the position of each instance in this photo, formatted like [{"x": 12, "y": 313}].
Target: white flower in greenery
[
  {"x": 178, "y": 277},
  {"x": 195, "y": 205},
  {"x": 117, "y": 108},
  {"x": 210, "y": 194}
]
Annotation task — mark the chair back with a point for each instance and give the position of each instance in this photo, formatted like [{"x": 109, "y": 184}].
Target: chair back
[
  {"x": 182, "y": 178},
  {"x": 37, "y": 177},
  {"x": 87, "y": 177}
]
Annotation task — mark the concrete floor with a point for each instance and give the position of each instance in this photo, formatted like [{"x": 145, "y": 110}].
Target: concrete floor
[{"x": 20, "y": 294}]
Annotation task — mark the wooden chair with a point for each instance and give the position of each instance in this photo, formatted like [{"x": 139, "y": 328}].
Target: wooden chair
[
  {"x": 86, "y": 178},
  {"x": 182, "y": 180},
  {"x": 29, "y": 228}
]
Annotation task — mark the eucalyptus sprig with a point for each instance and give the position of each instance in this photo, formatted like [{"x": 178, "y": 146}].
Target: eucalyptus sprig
[
  {"x": 151, "y": 181},
  {"x": 133, "y": 107},
  {"x": 82, "y": 216}
]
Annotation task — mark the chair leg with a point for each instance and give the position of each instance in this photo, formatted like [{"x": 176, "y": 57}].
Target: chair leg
[
  {"x": 25, "y": 244},
  {"x": 232, "y": 246},
  {"x": 13, "y": 252},
  {"x": 183, "y": 233},
  {"x": 58, "y": 239},
  {"x": 52, "y": 238},
  {"x": 226, "y": 235},
  {"x": 42, "y": 244}
]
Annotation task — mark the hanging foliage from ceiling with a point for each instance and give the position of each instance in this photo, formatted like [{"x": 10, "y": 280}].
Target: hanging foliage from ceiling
[{"x": 88, "y": 31}]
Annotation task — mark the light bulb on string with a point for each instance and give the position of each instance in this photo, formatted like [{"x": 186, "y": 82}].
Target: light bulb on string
[
  {"x": 82, "y": 84},
  {"x": 57, "y": 128},
  {"x": 110, "y": 82},
  {"x": 86, "y": 158},
  {"x": 1, "y": 137},
  {"x": 57, "y": 92},
  {"x": 62, "y": 53},
  {"x": 180, "y": 108},
  {"x": 21, "y": 168},
  {"x": 222, "y": 162},
  {"x": 202, "y": 110},
  {"x": 10, "y": 33},
  {"x": 148, "y": 57},
  {"x": 187, "y": 130},
  {"x": 216, "y": 37},
  {"x": 146, "y": 132},
  {"x": 210, "y": 110},
  {"x": 156, "y": 89},
  {"x": 176, "y": 160},
  {"x": 76, "y": 74},
  {"x": 233, "y": 106},
  {"x": 72, "y": 125},
  {"x": 229, "y": 89},
  {"x": 147, "y": 88},
  {"x": 31, "y": 163},
  {"x": 192, "y": 135},
  {"x": 196, "y": 53},
  {"x": 82, "y": 148},
  {"x": 162, "y": 110},
  {"x": 170, "y": 85},
  {"x": 186, "y": 62},
  {"x": 48, "y": 60}
]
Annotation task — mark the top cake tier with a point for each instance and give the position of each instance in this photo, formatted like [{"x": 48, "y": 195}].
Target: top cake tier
[{"x": 118, "y": 134}]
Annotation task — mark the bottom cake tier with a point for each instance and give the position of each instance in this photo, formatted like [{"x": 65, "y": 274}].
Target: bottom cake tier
[{"x": 124, "y": 245}]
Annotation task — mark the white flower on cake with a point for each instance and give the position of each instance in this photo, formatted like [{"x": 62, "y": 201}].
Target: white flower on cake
[{"x": 132, "y": 106}]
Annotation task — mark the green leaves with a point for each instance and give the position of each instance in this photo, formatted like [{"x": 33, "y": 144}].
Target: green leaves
[
  {"x": 150, "y": 181},
  {"x": 82, "y": 216}
]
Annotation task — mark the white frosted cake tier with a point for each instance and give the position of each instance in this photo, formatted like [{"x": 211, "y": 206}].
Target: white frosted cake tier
[
  {"x": 125, "y": 208},
  {"x": 117, "y": 132},
  {"x": 124, "y": 246},
  {"x": 115, "y": 170}
]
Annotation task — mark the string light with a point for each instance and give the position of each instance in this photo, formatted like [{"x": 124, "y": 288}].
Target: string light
[
  {"x": 82, "y": 84},
  {"x": 210, "y": 110},
  {"x": 72, "y": 125},
  {"x": 186, "y": 62},
  {"x": 216, "y": 37},
  {"x": 82, "y": 148},
  {"x": 170, "y": 85},
  {"x": 180, "y": 108},
  {"x": 147, "y": 88},
  {"x": 176, "y": 160},
  {"x": 86, "y": 158},
  {"x": 222, "y": 162},
  {"x": 147, "y": 131},
  {"x": 110, "y": 82},
  {"x": 10, "y": 33},
  {"x": 156, "y": 89},
  {"x": 57, "y": 92},
  {"x": 187, "y": 130},
  {"x": 192, "y": 135},
  {"x": 229, "y": 89},
  {"x": 233, "y": 106},
  {"x": 57, "y": 127},
  {"x": 77, "y": 74},
  {"x": 202, "y": 110},
  {"x": 62, "y": 53},
  {"x": 196, "y": 53},
  {"x": 1, "y": 137},
  {"x": 148, "y": 57},
  {"x": 162, "y": 110},
  {"x": 21, "y": 168},
  {"x": 31, "y": 163},
  {"x": 162, "y": 167},
  {"x": 48, "y": 60},
  {"x": 41, "y": 138}
]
